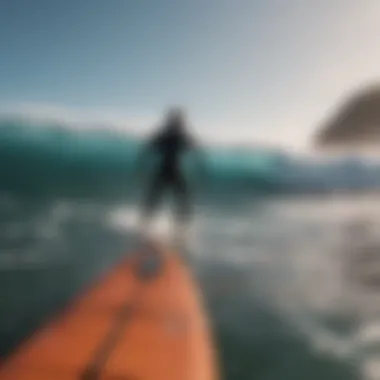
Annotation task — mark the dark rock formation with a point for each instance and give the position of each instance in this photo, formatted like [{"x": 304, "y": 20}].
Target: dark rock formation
[{"x": 356, "y": 122}]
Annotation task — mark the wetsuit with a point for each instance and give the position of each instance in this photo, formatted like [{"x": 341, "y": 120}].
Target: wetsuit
[{"x": 169, "y": 145}]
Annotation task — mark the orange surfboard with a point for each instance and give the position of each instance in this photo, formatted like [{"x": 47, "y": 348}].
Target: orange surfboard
[{"x": 143, "y": 321}]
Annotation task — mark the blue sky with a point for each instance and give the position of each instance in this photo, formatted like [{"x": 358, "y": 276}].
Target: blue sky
[{"x": 263, "y": 70}]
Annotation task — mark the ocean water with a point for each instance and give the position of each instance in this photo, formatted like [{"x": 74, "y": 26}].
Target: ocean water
[{"x": 288, "y": 269}]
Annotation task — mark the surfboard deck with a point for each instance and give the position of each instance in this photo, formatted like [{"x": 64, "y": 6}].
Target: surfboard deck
[{"x": 144, "y": 320}]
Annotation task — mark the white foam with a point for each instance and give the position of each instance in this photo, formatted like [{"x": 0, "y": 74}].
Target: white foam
[{"x": 128, "y": 219}]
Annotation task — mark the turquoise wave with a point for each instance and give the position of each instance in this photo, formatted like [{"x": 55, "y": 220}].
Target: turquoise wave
[{"x": 51, "y": 159}]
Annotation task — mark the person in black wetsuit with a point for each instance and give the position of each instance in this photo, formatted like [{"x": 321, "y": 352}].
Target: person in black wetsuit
[{"x": 169, "y": 143}]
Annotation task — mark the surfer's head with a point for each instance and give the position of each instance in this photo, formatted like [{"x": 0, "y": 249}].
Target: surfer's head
[{"x": 176, "y": 119}]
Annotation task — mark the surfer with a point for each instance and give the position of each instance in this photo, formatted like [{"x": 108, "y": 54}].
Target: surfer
[{"x": 169, "y": 143}]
